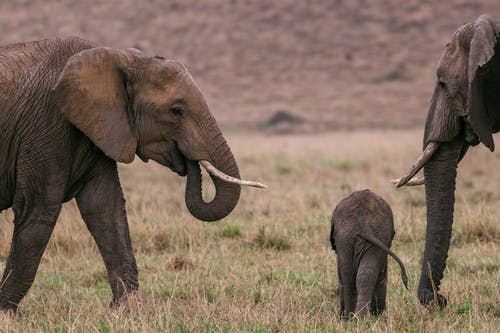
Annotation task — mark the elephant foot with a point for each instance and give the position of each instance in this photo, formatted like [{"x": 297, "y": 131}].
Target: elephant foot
[
  {"x": 10, "y": 310},
  {"x": 123, "y": 298},
  {"x": 376, "y": 310},
  {"x": 426, "y": 297}
]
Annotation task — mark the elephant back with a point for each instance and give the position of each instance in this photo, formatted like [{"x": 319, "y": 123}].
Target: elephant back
[
  {"x": 363, "y": 213},
  {"x": 378, "y": 218}
]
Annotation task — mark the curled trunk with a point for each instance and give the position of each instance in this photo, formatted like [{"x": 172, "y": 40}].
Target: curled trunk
[
  {"x": 440, "y": 173},
  {"x": 226, "y": 195}
]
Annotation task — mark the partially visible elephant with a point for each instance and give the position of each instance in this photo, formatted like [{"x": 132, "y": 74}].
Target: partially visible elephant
[
  {"x": 464, "y": 110},
  {"x": 69, "y": 110},
  {"x": 361, "y": 234}
]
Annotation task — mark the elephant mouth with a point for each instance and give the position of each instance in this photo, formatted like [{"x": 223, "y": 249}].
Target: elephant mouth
[
  {"x": 175, "y": 160},
  {"x": 165, "y": 153},
  {"x": 410, "y": 178},
  {"x": 179, "y": 165}
]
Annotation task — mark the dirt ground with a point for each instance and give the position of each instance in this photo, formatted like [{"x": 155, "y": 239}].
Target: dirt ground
[{"x": 337, "y": 64}]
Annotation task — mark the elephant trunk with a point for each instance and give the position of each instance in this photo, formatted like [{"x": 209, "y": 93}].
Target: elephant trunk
[
  {"x": 226, "y": 195},
  {"x": 440, "y": 174}
]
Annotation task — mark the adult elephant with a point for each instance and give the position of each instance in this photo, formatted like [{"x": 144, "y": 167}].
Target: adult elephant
[
  {"x": 69, "y": 110},
  {"x": 464, "y": 110}
]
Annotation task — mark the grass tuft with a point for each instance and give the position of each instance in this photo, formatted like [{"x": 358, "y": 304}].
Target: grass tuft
[
  {"x": 229, "y": 231},
  {"x": 276, "y": 242},
  {"x": 179, "y": 262}
]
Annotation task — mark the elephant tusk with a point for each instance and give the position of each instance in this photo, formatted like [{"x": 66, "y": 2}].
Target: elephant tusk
[
  {"x": 221, "y": 175},
  {"x": 415, "y": 181},
  {"x": 429, "y": 150}
]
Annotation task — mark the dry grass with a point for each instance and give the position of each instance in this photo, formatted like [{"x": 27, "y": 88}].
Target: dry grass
[{"x": 268, "y": 267}]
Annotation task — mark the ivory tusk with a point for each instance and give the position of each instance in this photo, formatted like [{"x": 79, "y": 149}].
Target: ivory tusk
[
  {"x": 415, "y": 181},
  {"x": 429, "y": 150},
  {"x": 221, "y": 175}
]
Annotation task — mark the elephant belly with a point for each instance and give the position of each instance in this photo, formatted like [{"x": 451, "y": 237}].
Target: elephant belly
[
  {"x": 5, "y": 201},
  {"x": 3, "y": 205},
  {"x": 5, "y": 193}
]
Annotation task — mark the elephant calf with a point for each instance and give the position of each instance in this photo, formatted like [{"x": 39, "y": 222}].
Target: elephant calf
[{"x": 362, "y": 230}]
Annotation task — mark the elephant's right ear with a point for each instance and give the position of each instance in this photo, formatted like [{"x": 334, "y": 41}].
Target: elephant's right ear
[
  {"x": 483, "y": 66},
  {"x": 91, "y": 93}
]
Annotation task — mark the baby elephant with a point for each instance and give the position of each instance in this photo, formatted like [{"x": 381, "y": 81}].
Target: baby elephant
[{"x": 361, "y": 234}]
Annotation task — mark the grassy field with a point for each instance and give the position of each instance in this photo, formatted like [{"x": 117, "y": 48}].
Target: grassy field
[{"x": 268, "y": 267}]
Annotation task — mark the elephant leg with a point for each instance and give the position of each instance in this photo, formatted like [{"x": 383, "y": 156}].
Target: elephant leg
[
  {"x": 377, "y": 305},
  {"x": 340, "y": 293},
  {"x": 102, "y": 207},
  {"x": 33, "y": 224},
  {"x": 369, "y": 270},
  {"x": 347, "y": 284}
]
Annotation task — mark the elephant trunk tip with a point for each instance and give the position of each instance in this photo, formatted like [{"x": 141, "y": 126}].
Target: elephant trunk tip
[{"x": 226, "y": 194}]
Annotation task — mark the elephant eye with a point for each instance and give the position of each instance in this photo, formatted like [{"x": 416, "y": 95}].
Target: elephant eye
[
  {"x": 177, "y": 110},
  {"x": 442, "y": 84}
]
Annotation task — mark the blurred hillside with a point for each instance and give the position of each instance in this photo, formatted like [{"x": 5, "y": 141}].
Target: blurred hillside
[{"x": 336, "y": 63}]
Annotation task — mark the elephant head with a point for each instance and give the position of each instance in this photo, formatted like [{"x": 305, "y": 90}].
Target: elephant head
[
  {"x": 127, "y": 103},
  {"x": 464, "y": 110}
]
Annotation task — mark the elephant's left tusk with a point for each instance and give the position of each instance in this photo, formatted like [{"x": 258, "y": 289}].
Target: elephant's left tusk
[
  {"x": 429, "y": 150},
  {"x": 415, "y": 181},
  {"x": 221, "y": 175}
]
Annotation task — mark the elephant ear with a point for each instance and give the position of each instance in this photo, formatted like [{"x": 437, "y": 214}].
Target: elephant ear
[
  {"x": 332, "y": 237},
  {"x": 91, "y": 93},
  {"x": 483, "y": 69}
]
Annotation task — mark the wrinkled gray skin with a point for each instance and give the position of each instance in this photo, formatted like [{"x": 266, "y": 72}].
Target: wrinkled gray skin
[
  {"x": 362, "y": 230},
  {"x": 464, "y": 110},
  {"x": 69, "y": 110}
]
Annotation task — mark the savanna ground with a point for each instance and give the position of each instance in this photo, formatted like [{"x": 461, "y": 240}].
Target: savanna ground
[{"x": 268, "y": 267}]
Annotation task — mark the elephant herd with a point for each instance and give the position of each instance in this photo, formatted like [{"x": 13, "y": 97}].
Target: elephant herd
[{"x": 71, "y": 109}]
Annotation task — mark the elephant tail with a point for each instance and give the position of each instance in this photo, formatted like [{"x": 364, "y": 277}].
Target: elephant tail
[{"x": 377, "y": 242}]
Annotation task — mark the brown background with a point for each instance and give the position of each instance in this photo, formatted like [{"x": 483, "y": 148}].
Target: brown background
[{"x": 336, "y": 64}]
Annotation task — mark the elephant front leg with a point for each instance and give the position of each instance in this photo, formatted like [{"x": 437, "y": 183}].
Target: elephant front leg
[
  {"x": 32, "y": 230},
  {"x": 102, "y": 208}
]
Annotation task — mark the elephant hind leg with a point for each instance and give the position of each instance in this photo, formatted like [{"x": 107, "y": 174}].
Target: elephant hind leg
[
  {"x": 377, "y": 305},
  {"x": 33, "y": 225},
  {"x": 368, "y": 274},
  {"x": 347, "y": 285}
]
